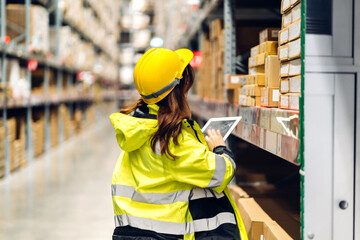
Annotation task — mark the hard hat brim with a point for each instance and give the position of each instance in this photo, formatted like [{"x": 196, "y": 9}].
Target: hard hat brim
[{"x": 186, "y": 54}]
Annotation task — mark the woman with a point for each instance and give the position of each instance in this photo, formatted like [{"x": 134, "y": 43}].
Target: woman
[{"x": 169, "y": 181}]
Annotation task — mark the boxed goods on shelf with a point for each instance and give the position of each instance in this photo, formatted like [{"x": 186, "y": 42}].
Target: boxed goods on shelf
[
  {"x": 295, "y": 84},
  {"x": 284, "y": 101},
  {"x": 268, "y": 34},
  {"x": 272, "y": 71},
  {"x": 283, "y": 36},
  {"x": 269, "y": 47},
  {"x": 269, "y": 97},
  {"x": 290, "y": 101},
  {"x": 255, "y": 50},
  {"x": 54, "y": 127},
  {"x": 294, "y": 67},
  {"x": 284, "y": 52},
  {"x": 295, "y": 30},
  {"x": 284, "y": 69},
  {"x": 286, "y": 19},
  {"x": 284, "y": 85},
  {"x": 38, "y": 127},
  {"x": 39, "y": 25},
  {"x": 17, "y": 83},
  {"x": 256, "y": 70},
  {"x": 294, "y": 49},
  {"x": 78, "y": 119},
  {"x": 296, "y": 13},
  {"x": 260, "y": 58}
]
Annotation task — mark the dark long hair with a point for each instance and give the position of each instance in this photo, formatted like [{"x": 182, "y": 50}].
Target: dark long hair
[{"x": 172, "y": 110}]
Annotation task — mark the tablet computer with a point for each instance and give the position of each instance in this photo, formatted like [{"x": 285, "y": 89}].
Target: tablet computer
[{"x": 225, "y": 124}]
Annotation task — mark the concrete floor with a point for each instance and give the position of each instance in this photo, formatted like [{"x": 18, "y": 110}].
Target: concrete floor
[{"x": 64, "y": 194}]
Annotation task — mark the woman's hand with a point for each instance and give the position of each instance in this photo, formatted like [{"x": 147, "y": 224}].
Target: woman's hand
[{"x": 214, "y": 139}]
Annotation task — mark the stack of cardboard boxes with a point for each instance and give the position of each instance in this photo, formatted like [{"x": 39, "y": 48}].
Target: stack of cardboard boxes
[
  {"x": 257, "y": 223},
  {"x": 289, "y": 54},
  {"x": 54, "y": 127},
  {"x": 211, "y": 85},
  {"x": 38, "y": 134},
  {"x": 261, "y": 86}
]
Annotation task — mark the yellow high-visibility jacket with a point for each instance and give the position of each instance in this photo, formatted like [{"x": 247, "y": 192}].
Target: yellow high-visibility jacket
[{"x": 186, "y": 198}]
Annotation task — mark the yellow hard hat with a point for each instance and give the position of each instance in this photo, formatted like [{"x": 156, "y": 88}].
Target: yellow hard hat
[{"x": 158, "y": 71}]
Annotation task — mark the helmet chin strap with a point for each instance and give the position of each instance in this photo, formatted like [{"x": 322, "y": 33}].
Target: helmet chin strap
[{"x": 163, "y": 90}]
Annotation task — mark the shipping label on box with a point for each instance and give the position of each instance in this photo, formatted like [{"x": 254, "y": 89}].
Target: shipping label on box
[
  {"x": 272, "y": 73},
  {"x": 284, "y": 85},
  {"x": 295, "y": 49},
  {"x": 296, "y": 13},
  {"x": 294, "y": 99},
  {"x": 286, "y": 19},
  {"x": 295, "y": 30},
  {"x": 284, "y": 69},
  {"x": 295, "y": 67},
  {"x": 295, "y": 84},
  {"x": 268, "y": 34},
  {"x": 285, "y": 6},
  {"x": 284, "y": 52},
  {"x": 269, "y": 47},
  {"x": 284, "y": 101},
  {"x": 254, "y": 51},
  {"x": 284, "y": 36}
]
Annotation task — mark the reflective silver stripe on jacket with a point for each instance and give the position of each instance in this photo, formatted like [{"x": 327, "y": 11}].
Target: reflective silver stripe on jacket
[
  {"x": 206, "y": 224},
  {"x": 153, "y": 198},
  {"x": 231, "y": 160},
  {"x": 219, "y": 173},
  {"x": 198, "y": 193}
]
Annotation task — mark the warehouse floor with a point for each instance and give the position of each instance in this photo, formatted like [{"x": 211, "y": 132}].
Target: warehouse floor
[{"x": 65, "y": 194}]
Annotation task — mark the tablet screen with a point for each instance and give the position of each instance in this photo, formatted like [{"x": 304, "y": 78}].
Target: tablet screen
[{"x": 225, "y": 125}]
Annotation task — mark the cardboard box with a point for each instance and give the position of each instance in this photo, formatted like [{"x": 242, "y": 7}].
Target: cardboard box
[
  {"x": 284, "y": 69},
  {"x": 284, "y": 85},
  {"x": 272, "y": 71},
  {"x": 253, "y": 217},
  {"x": 269, "y": 47},
  {"x": 260, "y": 58},
  {"x": 258, "y": 79},
  {"x": 296, "y": 13},
  {"x": 252, "y": 61},
  {"x": 269, "y": 97},
  {"x": 268, "y": 34},
  {"x": 284, "y": 52},
  {"x": 294, "y": 101},
  {"x": 254, "y": 90},
  {"x": 243, "y": 90},
  {"x": 237, "y": 192},
  {"x": 232, "y": 95},
  {"x": 273, "y": 231},
  {"x": 283, "y": 36},
  {"x": 256, "y": 70},
  {"x": 284, "y": 101},
  {"x": 242, "y": 99},
  {"x": 286, "y": 19},
  {"x": 295, "y": 49},
  {"x": 285, "y": 6},
  {"x": 295, "y": 84},
  {"x": 255, "y": 50},
  {"x": 249, "y": 79},
  {"x": 234, "y": 81},
  {"x": 295, "y": 67},
  {"x": 295, "y": 30}
]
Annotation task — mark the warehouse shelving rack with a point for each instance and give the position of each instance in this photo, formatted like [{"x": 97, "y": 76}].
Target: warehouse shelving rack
[
  {"x": 324, "y": 136},
  {"x": 62, "y": 73}
]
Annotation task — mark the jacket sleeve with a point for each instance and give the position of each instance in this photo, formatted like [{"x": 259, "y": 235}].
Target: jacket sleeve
[{"x": 198, "y": 166}]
